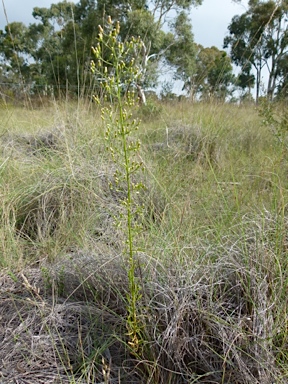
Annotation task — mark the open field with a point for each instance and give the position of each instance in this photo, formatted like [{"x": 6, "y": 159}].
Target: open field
[{"x": 212, "y": 252}]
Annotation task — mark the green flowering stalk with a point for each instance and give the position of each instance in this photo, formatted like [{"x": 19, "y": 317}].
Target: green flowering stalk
[{"x": 115, "y": 67}]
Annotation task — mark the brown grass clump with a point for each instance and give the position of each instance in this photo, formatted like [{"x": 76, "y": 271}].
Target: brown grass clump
[
  {"x": 188, "y": 141},
  {"x": 39, "y": 214},
  {"x": 45, "y": 338},
  {"x": 205, "y": 323},
  {"x": 19, "y": 145},
  {"x": 214, "y": 330}
]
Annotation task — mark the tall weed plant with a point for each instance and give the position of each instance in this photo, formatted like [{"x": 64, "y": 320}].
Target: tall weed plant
[{"x": 115, "y": 68}]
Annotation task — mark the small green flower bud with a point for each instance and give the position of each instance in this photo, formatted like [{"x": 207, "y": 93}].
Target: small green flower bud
[{"x": 117, "y": 27}]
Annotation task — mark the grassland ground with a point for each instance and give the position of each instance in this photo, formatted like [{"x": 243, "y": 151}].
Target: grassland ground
[{"x": 212, "y": 252}]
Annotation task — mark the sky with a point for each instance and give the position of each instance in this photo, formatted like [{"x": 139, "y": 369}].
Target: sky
[{"x": 209, "y": 21}]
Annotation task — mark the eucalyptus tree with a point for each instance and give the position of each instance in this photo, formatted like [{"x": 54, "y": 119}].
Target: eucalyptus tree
[
  {"x": 14, "y": 48},
  {"x": 181, "y": 49},
  {"x": 258, "y": 39},
  {"x": 213, "y": 77}
]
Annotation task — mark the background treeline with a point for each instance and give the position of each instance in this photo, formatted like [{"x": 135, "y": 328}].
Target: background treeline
[{"x": 52, "y": 56}]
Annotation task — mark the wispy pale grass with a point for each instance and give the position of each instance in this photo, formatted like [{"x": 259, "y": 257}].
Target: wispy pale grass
[{"x": 212, "y": 252}]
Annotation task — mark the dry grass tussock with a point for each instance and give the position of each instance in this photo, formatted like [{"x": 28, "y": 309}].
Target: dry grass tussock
[
  {"x": 205, "y": 323},
  {"x": 41, "y": 212},
  {"x": 187, "y": 141},
  {"x": 26, "y": 145}
]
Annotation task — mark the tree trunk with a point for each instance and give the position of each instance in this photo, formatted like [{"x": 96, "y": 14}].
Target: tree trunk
[{"x": 141, "y": 95}]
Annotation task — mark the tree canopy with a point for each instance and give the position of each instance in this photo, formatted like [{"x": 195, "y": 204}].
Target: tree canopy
[
  {"x": 54, "y": 53},
  {"x": 212, "y": 77},
  {"x": 258, "y": 39}
]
